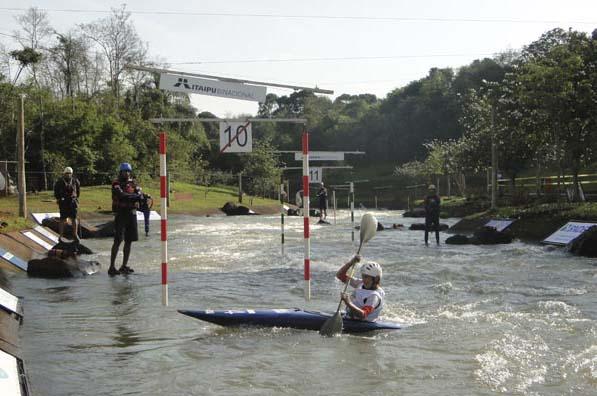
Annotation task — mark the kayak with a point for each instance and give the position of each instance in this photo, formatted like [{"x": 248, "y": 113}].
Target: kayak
[{"x": 294, "y": 318}]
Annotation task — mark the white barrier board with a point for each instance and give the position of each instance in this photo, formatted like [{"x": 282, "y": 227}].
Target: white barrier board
[
  {"x": 39, "y": 217},
  {"x": 9, "y": 375},
  {"x": 9, "y": 302},
  {"x": 38, "y": 240},
  {"x": 153, "y": 215},
  {"x": 499, "y": 225},
  {"x": 48, "y": 234},
  {"x": 14, "y": 260},
  {"x": 568, "y": 232}
]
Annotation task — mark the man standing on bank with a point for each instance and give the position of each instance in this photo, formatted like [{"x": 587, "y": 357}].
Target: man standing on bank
[
  {"x": 126, "y": 196},
  {"x": 67, "y": 191},
  {"x": 432, "y": 205},
  {"x": 322, "y": 196}
]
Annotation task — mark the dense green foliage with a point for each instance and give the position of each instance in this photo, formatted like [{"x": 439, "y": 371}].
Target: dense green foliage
[{"x": 86, "y": 110}]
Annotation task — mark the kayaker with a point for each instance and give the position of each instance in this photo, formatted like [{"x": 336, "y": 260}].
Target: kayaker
[
  {"x": 67, "y": 191},
  {"x": 126, "y": 196},
  {"x": 366, "y": 300},
  {"x": 432, "y": 204},
  {"x": 298, "y": 200}
]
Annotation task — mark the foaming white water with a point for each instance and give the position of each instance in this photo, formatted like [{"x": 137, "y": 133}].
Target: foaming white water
[{"x": 513, "y": 363}]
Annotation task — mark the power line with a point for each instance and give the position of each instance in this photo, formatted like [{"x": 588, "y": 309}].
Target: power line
[
  {"x": 313, "y": 17},
  {"x": 347, "y": 58}
]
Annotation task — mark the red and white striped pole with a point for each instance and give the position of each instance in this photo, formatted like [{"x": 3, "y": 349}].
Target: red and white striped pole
[
  {"x": 164, "y": 219},
  {"x": 306, "y": 211}
]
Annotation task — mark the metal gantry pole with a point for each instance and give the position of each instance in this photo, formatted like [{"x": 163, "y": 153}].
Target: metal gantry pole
[
  {"x": 21, "y": 165},
  {"x": 306, "y": 210},
  {"x": 164, "y": 219}
]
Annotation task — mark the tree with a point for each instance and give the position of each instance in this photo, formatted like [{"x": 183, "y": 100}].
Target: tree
[{"x": 118, "y": 40}]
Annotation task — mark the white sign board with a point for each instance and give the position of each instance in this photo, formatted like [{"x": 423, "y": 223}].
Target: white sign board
[
  {"x": 9, "y": 375},
  {"x": 568, "y": 232},
  {"x": 202, "y": 86},
  {"x": 315, "y": 175},
  {"x": 235, "y": 137},
  {"x": 39, "y": 217},
  {"x": 153, "y": 215},
  {"x": 9, "y": 302},
  {"x": 499, "y": 225},
  {"x": 48, "y": 234},
  {"x": 321, "y": 156},
  {"x": 38, "y": 240}
]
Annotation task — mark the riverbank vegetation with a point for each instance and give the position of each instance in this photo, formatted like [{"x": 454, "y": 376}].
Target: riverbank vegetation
[{"x": 85, "y": 109}]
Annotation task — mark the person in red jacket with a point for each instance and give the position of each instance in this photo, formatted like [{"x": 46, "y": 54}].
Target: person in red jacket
[{"x": 126, "y": 196}]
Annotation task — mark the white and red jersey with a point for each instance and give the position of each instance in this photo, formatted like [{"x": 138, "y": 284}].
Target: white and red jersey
[{"x": 370, "y": 301}]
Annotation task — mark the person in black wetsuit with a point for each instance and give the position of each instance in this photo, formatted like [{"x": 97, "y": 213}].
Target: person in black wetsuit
[
  {"x": 126, "y": 196},
  {"x": 322, "y": 196},
  {"x": 67, "y": 191},
  {"x": 432, "y": 204}
]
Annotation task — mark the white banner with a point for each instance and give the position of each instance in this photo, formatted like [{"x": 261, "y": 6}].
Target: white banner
[
  {"x": 568, "y": 232},
  {"x": 321, "y": 156},
  {"x": 315, "y": 175},
  {"x": 235, "y": 137},
  {"x": 176, "y": 83}
]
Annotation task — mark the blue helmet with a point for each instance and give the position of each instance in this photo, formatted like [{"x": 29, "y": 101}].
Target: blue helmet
[{"x": 125, "y": 166}]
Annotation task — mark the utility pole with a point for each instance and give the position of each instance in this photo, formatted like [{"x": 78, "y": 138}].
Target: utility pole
[
  {"x": 494, "y": 162},
  {"x": 240, "y": 187},
  {"x": 21, "y": 159}
]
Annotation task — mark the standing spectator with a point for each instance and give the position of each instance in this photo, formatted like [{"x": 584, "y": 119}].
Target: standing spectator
[
  {"x": 432, "y": 205},
  {"x": 145, "y": 206},
  {"x": 298, "y": 200},
  {"x": 322, "y": 196},
  {"x": 67, "y": 191},
  {"x": 126, "y": 196}
]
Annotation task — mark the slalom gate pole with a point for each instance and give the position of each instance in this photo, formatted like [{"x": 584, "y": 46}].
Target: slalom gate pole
[
  {"x": 282, "y": 216},
  {"x": 164, "y": 219},
  {"x": 306, "y": 210},
  {"x": 351, "y": 198},
  {"x": 334, "y": 201}
]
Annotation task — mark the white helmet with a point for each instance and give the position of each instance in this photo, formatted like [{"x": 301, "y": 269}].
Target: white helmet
[
  {"x": 372, "y": 269},
  {"x": 68, "y": 169}
]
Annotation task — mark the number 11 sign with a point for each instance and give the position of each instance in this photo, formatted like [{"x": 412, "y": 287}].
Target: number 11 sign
[{"x": 235, "y": 137}]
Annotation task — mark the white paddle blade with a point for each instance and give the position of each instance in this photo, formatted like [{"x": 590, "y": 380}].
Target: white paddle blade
[{"x": 368, "y": 227}]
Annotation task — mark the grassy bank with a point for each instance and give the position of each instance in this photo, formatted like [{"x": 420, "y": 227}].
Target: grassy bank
[
  {"x": 96, "y": 201},
  {"x": 534, "y": 221}
]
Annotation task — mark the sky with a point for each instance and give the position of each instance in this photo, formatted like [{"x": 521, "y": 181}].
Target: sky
[{"x": 347, "y": 46}]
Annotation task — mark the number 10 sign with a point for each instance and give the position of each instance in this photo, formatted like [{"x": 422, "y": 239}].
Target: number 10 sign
[{"x": 235, "y": 137}]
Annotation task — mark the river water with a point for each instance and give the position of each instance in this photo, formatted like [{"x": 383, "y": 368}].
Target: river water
[{"x": 516, "y": 319}]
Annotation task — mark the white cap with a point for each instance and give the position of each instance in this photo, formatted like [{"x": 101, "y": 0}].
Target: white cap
[
  {"x": 432, "y": 186},
  {"x": 68, "y": 169}
]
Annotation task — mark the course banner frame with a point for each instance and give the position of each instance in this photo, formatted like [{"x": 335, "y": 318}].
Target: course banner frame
[
  {"x": 202, "y": 86},
  {"x": 568, "y": 232}
]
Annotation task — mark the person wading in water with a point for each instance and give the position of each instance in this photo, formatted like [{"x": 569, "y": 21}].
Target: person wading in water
[{"x": 432, "y": 204}]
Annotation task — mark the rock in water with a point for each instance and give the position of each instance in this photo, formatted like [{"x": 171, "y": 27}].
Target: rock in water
[
  {"x": 458, "y": 240},
  {"x": 490, "y": 236},
  {"x": 585, "y": 244}
]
